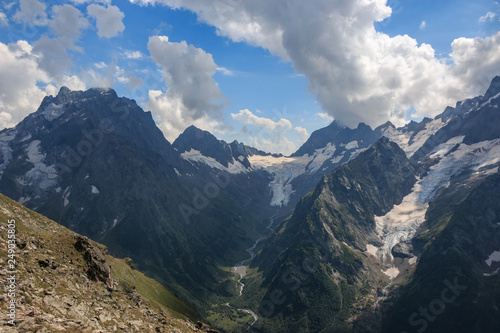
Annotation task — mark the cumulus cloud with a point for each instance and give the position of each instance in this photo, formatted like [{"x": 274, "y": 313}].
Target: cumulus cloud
[
  {"x": 267, "y": 134},
  {"x": 247, "y": 117},
  {"x": 323, "y": 115},
  {"x": 19, "y": 93},
  {"x": 52, "y": 53},
  {"x": 301, "y": 133},
  {"x": 22, "y": 79},
  {"x": 129, "y": 54},
  {"x": 108, "y": 20},
  {"x": 31, "y": 11},
  {"x": 476, "y": 60},
  {"x": 357, "y": 73},
  {"x": 68, "y": 24},
  {"x": 422, "y": 26},
  {"x": 79, "y": 2},
  {"x": 488, "y": 17},
  {"x": 192, "y": 96}
]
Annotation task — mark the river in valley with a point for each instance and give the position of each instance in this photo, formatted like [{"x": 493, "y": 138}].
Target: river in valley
[{"x": 241, "y": 269}]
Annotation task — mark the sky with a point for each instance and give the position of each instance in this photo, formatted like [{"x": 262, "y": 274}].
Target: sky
[{"x": 264, "y": 72}]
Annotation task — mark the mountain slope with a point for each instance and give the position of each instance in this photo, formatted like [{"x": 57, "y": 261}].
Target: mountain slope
[
  {"x": 66, "y": 282},
  {"x": 314, "y": 271},
  {"x": 97, "y": 164},
  {"x": 456, "y": 286},
  {"x": 351, "y": 243}
]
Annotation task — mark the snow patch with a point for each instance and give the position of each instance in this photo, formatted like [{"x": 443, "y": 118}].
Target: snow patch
[
  {"x": 351, "y": 145},
  {"x": 474, "y": 157},
  {"x": 66, "y": 195},
  {"x": 319, "y": 157},
  {"x": 285, "y": 169},
  {"x": 94, "y": 190},
  {"x": 177, "y": 172},
  {"x": 494, "y": 257},
  {"x": 195, "y": 156},
  {"x": 403, "y": 139},
  {"x": 391, "y": 272},
  {"x": 87, "y": 176},
  {"x": 42, "y": 175},
  {"x": 489, "y": 100},
  {"x": 23, "y": 200},
  {"x": 53, "y": 111},
  {"x": 372, "y": 249},
  {"x": 26, "y": 138}
]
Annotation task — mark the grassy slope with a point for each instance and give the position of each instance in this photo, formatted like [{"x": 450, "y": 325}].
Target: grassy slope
[{"x": 59, "y": 240}]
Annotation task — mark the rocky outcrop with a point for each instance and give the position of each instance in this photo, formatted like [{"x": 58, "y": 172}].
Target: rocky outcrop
[
  {"x": 98, "y": 268},
  {"x": 64, "y": 284}
]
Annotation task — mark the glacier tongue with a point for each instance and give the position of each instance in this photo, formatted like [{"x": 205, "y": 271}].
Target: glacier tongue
[{"x": 400, "y": 224}]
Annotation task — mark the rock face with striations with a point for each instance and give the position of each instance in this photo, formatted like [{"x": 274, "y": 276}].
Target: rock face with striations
[{"x": 98, "y": 268}]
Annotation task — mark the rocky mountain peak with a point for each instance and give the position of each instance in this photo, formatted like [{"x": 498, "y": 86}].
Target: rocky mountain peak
[
  {"x": 494, "y": 88},
  {"x": 206, "y": 143}
]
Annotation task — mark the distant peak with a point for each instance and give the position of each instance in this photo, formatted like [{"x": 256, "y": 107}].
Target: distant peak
[
  {"x": 494, "y": 87},
  {"x": 198, "y": 132},
  {"x": 64, "y": 91},
  {"x": 193, "y": 128}
]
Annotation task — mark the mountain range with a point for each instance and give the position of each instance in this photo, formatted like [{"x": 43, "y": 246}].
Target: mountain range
[{"x": 358, "y": 230}]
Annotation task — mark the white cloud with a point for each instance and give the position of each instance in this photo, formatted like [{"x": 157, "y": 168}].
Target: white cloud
[
  {"x": 323, "y": 115},
  {"x": 8, "y": 6},
  {"x": 267, "y": 142},
  {"x": 476, "y": 60},
  {"x": 52, "y": 53},
  {"x": 129, "y": 54},
  {"x": 22, "y": 79},
  {"x": 32, "y": 11},
  {"x": 80, "y": 2},
  {"x": 301, "y": 133},
  {"x": 356, "y": 73},
  {"x": 104, "y": 76},
  {"x": 108, "y": 20},
  {"x": 4, "y": 21},
  {"x": 192, "y": 96},
  {"x": 422, "y": 26},
  {"x": 225, "y": 71},
  {"x": 68, "y": 24},
  {"x": 266, "y": 134},
  {"x": 247, "y": 117},
  {"x": 489, "y": 16},
  {"x": 19, "y": 93}
]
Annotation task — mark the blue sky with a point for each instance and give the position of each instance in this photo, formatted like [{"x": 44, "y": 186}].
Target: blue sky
[{"x": 267, "y": 73}]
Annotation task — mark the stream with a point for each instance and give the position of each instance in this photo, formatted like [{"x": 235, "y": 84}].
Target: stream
[{"x": 241, "y": 269}]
